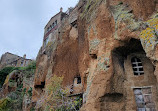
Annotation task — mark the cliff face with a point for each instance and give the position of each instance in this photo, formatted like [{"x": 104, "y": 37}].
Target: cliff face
[
  {"x": 99, "y": 47},
  {"x": 104, "y": 52}
]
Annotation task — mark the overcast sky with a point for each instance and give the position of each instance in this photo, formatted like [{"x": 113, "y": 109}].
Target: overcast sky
[{"x": 22, "y": 24}]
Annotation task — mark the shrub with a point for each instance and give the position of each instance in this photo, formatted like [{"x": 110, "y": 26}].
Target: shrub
[
  {"x": 3, "y": 74},
  {"x": 30, "y": 69},
  {"x": 30, "y": 92},
  {"x": 31, "y": 66},
  {"x": 16, "y": 99},
  {"x": 58, "y": 99},
  {"x": 4, "y": 102}
]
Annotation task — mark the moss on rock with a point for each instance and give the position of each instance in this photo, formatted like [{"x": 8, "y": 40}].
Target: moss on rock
[
  {"x": 149, "y": 36},
  {"x": 122, "y": 14}
]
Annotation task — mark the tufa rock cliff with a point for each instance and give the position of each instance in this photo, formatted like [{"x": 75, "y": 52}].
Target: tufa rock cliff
[
  {"x": 99, "y": 48},
  {"x": 104, "y": 52}
]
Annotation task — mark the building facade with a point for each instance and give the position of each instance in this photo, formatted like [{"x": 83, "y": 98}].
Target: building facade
[
  {"x": 51, "y": 29},
  {"x": 9, "y": 59}
]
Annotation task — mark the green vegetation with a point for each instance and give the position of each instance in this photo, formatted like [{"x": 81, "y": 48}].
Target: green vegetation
[
  {"x": 28, "y": 70},
  {"x": 32, "y": 109},
  {"x": 30, "y": 92},
  {"x": 58, "y": 99},
  {"x": 4, "y": 102},
  {"x": 4, "y": 72},
  {"x": 14, "y": 100}
]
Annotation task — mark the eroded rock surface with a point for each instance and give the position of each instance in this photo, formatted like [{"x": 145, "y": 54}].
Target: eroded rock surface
[
  {"x": 108, "y": 35},
  {"x": 111, "y": 46}
]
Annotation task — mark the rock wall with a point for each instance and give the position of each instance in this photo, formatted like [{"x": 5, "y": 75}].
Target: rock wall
[{"x": 108, "y": 34}]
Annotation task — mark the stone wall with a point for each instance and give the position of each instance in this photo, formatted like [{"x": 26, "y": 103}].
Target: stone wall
[{"x": 9, "y": 59}]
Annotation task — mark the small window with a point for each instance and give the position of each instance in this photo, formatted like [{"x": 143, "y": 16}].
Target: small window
[
  {"x": 78, "y": 80},
  {"x": 74, "y": 23},
  {"x": 22, "y": 62},
  {"x": 53, "y": 25},
  {"x": 46, "y": 41},
  {"x": 26, "y": 62},
  {"x": 15, "y": 63},
  {"x": 56, "y": 22},
  {"x": 137, "y": 66},
  {"x": 71, "y": 89},
  {"x": 48, "y": 29}
]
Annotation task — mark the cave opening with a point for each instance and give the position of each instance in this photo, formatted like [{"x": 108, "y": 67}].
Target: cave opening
[
  {"x": 131, "y": 46},
  {"x": 93, "y": 56},
  {"x": 112, "y": 97},
  {"x": 42, "y": 85}
]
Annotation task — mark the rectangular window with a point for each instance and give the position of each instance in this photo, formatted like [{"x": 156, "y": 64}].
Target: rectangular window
[
  {"x": 53, "y": 25},
  {"x": 48, "y": 29},
  {"x": 55, "y": 22},
  {"x": 22, "y": 62},
  {"x": 46, "y": 41},
  {"x": 78, "y": 80},
  {"x": 16, "y": 63},
  {"x": 143, "y": 97},
  {"x": 137, "y": 66}
]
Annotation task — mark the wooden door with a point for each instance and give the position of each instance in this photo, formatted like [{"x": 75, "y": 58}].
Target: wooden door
[{"x": 144, "y": 101}]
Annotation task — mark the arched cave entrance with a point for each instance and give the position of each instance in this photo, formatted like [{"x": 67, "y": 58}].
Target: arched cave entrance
[{"x": 128, "y": 76}]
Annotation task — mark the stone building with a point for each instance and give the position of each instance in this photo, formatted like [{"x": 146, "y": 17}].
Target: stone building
[
  {"x": 52, "y": 27},
  {"x": 9, "y": 59}
]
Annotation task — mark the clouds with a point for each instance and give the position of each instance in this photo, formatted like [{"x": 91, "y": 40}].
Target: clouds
[{"x": 22, "y": 24}]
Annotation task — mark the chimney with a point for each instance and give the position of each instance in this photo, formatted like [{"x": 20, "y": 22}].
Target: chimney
[
  {"x": 61, "y": 9},
  {"x": 24, "y": 56}
]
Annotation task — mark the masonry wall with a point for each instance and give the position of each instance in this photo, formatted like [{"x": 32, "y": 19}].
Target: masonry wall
[
  {"x": 57, "y": 17},
  {"x": 7, "y": 58},
  {"x": 22, "y": 62}
]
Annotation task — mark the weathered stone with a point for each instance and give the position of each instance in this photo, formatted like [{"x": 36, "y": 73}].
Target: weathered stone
[{"x": 97, "y": 41}]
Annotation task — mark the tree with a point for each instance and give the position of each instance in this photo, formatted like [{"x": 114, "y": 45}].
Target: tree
[{"x": 58, "y": 99}]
